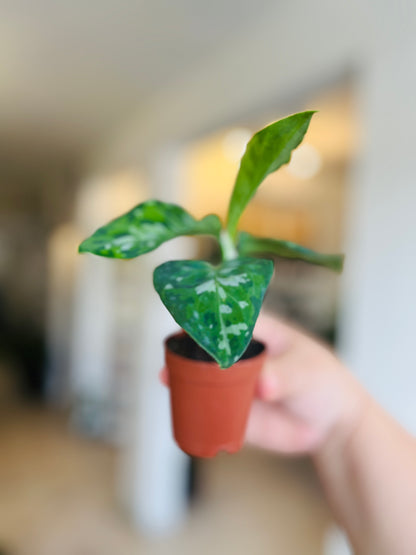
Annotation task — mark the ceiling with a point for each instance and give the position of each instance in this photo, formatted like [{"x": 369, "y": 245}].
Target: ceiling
[{"x": 70, "y": 72}]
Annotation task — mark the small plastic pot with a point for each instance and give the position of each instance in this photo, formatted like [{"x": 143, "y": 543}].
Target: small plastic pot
[{"x": 210, "y": 406}]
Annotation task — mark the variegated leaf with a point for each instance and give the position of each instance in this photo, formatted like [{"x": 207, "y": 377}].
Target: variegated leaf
[
  {"x": 216, "y": 305},
  {"x": 144, "y": 228}
]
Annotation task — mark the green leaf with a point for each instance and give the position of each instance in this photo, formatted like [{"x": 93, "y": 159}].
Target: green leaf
[
  {"x": 266, "y": 152},
  {"x": 144, "y": 228},
  {"x": 216, "y": 305},
  {"x": 249, "y": 245}
]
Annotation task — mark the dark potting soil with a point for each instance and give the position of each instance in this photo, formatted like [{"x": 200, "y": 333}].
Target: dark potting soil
[{"x": 185, "y": 346}]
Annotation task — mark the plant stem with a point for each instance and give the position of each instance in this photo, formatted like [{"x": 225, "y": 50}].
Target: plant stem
[{"x": 228, "y": 249}]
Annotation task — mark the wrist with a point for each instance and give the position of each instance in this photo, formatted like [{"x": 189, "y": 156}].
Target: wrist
[{"x": 352, "y": 417}]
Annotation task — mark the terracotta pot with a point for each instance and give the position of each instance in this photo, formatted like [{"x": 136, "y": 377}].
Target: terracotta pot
[{"x": 210, "y": 406}]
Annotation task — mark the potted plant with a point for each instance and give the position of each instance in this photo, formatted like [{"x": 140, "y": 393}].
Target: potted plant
[{"x": 213, "y": 364}]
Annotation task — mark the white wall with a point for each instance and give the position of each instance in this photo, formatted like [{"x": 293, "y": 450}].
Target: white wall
[{"x": 379, "y": 328}]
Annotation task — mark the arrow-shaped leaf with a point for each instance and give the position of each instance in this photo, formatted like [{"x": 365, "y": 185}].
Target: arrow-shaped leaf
[
  {"x": 144, "y": 228},
  {"x": 216, "y": 305},
  {"x": 249, "y": 245},
  {"x": 266, "y": 152}
]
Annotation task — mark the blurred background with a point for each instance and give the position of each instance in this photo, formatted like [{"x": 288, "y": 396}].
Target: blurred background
[{"x": 106, "y": 104}]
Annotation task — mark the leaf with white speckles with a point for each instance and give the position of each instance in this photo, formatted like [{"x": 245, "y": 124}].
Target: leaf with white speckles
[
  {"x": 216, "y": 305},
  {"x": 145, "y": 228}
]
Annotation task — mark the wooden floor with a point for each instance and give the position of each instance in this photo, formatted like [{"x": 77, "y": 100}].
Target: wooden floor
[{"x": 57, "y": 497}]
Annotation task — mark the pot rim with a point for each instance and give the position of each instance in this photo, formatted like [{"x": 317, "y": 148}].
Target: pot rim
[{"x": 212, "y": 364}]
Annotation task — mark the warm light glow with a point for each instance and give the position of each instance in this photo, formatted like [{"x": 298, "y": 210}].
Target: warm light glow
[
  {"x": 305, "y": 163},
  {"x": 234, "y": 143},
  {"x": 105, "y": 197}
]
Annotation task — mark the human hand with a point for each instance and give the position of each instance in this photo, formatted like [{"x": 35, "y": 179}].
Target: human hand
[{"x": 305, "y": 396}]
